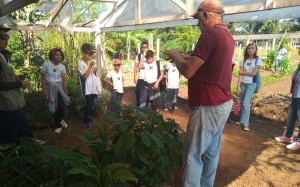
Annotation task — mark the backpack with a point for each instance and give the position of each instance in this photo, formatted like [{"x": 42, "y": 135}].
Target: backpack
[
  {"x": 163, "y": 82},
  {"x": 256, "y": 78}
]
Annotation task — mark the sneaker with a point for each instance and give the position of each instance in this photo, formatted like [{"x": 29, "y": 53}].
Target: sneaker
[
  {"x": 293, "y": 146},
  {"x": 92, "y": 124},
  {"x": 284, "y": 139},
  {"x": 246, "y": 129},
  {"x": 58, "y": 130},
  {"x": 84, "y": 126},
  {"x": 238, "y": 123},
  {"x": 37, "y": 142},
  {"x": 64, "y": 124}
]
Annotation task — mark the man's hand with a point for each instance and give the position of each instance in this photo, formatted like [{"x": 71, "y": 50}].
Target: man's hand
[
  {"x": 155, "y": 86},
  {"x": 135, "y": 81},
  {"x": 95, "y": 69},
  {"x": 24, "y": 84}
]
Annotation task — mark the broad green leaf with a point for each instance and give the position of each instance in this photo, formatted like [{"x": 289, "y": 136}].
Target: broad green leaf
[
  {"x": 123, "y": 175},
  {"x": 142, "y": 156},
  {"x": 125, "y": 142},
  {"x": 146, "y": 139},
  {"x": 111, "y": 167},
  {"x": 157, "y": 140},
  {"x": 89, "y": 136},
  {"x": 86, "y": 171},
  {"x": 66, "y": 154}
]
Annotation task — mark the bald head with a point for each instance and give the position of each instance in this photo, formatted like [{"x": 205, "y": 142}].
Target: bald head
[{"x": 214, "y": 6}]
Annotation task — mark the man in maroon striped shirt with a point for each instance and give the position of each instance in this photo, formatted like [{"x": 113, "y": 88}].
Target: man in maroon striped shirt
[{"x": 208, "y": 70}]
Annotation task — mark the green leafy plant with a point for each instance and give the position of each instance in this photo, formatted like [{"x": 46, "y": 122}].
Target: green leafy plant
[
  {"x": 270, "y": 60},
  {"x": 28, "y": 165},
  {"x": 145, "y": 141},
  {"x": 284, "y": 66}
]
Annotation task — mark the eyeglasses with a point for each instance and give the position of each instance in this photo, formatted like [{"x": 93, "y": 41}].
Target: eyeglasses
[
  {"x": 4, "y": 36},
  {"x": 144, "y": 47},
  {"x": 117, "y": 64}
]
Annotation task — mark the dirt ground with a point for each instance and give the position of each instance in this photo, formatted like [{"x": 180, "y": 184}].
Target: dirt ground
[{"x": 247, "y": 158}]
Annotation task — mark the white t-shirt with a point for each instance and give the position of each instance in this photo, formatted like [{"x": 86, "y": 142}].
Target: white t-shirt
[
  {"x": 90, "y": 85},
  {"x": 233, "y": 60},
  {"x": 117, "y": 80},
  {"x": 281, "y": 53},
  {"x": 151, "y": 72},
  {"x": 53, "y": 72},
  {"x": 173, "y": 76},
  {"x": 249, "y": 66},
  {"x": 141, "y": 71}
]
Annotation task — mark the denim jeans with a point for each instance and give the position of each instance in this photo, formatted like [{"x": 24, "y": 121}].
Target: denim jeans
[
  {"x": 89, "y": 105},
  {"x": 146, "y": 94},
  {"x": 245, "y": 98},
  {"x": 202, "y": 144},
  {"x": 277, "y": 64},
  {"x": 168, "y": 93},
  {"x": 138, "y": 89},
  {"x": 116, "y": 100},
  {"x": 293, "y": 116}
]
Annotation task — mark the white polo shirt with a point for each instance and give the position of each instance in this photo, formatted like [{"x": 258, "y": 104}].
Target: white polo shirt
[
  {"x": 173, "y": 76},
  {"x": 117, "y": 80},
  {"x": 151, "y": 72}
]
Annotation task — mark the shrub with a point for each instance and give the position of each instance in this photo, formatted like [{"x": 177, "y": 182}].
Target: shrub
[
  {"x": 143, "y": 140},
  {"x": 284, "y": 66},
  {"x": 270, "y": 60}
]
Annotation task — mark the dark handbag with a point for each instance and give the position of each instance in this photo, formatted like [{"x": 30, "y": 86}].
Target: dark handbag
[{"x": 163, "y": 82}]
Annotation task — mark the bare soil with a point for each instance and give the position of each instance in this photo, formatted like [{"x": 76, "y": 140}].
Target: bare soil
[{"x": 249, "y": 159}]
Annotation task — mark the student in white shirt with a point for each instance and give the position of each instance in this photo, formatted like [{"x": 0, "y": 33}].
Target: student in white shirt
[
  {"x": 139, "y": 73},
  {"x": 173, "y": 82},
  {"x": 115, "y": 80},
  {"x": 281, "y": 53},
  {"x": 90, "y": 82},
  {"x": 150, "y": 91},
  {"x": 54, "y": 87},
  {"x": 249, "y": 67}
]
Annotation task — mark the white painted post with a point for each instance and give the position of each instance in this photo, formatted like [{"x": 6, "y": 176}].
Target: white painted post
[
  {"x": 267, "y": 48},
  {"x": 139, "y": 48},
  {"x": 274, "y": 43},
  {"x": 240, "y": 51},
  {"x": 150, "y": 41},
  {"x": 99, "y": 60},
  {"x": 157, "y": 49},
  {"x": 193, "y": 47}
]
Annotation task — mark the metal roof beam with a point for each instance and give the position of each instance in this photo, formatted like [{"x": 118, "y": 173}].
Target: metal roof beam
[
  {"x": 14, "y": 5},
  {"x": 57, "y": 9}
]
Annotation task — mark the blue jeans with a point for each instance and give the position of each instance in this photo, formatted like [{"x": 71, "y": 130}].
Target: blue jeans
[
  {"x": 116, "y": 100},
  {"x": 202, "y": 144},
  {"x": 147, "y": 95},
  {"x": 168, "y": 93},
  {"x": 293, "y": 116},
  {"x": 277, "y": 64},
  {"x": 89, "y": 105},
  {"x": 245, "y": 98},
  {"x": 138, "y": 89}
]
